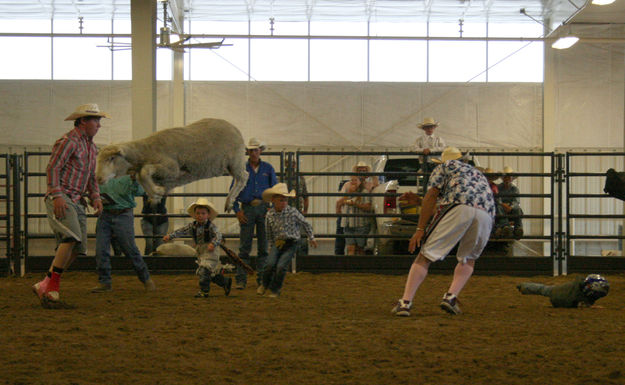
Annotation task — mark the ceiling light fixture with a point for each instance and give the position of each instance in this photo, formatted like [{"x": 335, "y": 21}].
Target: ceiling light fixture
[
  {"x": 602, "y": 2},
  {"x": 565, "y": 42}
]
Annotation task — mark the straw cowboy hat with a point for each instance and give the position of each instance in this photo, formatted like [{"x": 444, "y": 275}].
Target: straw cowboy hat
[
  {"x": 278, "y": 189},
  {"x": 449, "y": 153},
  {"x": 508, "y": 170},
  {"x": 254, "y": 144},
  {"x": 203, "y": 202},
  {"x": 87, "y": 110},
  {"x": 428, "y": 122},
  {"x": 361, "y": 164},
  {"x": 493, "y": 175}
]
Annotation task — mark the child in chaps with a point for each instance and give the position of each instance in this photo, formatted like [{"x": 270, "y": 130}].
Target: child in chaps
[{"x": 206, "y": 238}]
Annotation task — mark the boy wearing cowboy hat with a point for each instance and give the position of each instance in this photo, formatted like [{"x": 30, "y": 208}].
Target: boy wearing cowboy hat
[
  {"x": 511, "y": 204},
  {"x": 460, "y": 203},
  {"x": 428, "y": 142},
  {"x": 283, "y": 232},
  {"x": 70, "y": 176},
  {"x": 250, "y": 210},
  {"x": 206, "y": 238}
]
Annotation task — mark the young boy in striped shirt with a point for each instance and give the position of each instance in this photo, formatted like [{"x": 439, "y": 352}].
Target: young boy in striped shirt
[{"x": 283, "y": 224}]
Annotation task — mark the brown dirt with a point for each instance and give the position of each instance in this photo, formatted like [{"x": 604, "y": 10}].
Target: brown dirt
[{"x": 324, "y": 329}]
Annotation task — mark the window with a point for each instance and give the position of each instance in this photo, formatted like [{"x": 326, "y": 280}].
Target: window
[
  {"x": 80, "y": 58},
  {"x": 515, "y": 61},
  {"x": 25, "y": 26},
  {"x": 338, "y": 60},
  {"x": 25, "y": 58},
  {"x": 452, "y": 61},
  {"x": 398, "y": 61},
  {"x": 279, "y": 59},
  {"x": 225, "y": 63}
]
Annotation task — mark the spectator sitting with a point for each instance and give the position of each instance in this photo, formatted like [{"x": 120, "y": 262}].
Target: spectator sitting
[{"x": 511, "y": 204}]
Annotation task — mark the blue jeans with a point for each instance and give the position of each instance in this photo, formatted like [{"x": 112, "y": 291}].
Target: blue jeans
[
  {"x": 255, "y": 218},
  {"x": 277, "y": 265},
  {"x": 206, "y": 277},
  {"x": 122, "y": 225},
  {"x": 536, "y": 289},
  {"x": 154, "y": 234}
]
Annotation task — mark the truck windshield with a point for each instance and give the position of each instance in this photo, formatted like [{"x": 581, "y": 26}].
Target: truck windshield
[{"x": 402, "y": 165}]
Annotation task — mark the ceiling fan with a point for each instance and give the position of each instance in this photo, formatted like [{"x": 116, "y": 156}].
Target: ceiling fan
[{"x": 165, "y": 35}]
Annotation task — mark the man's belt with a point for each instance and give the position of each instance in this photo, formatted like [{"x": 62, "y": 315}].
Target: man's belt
[
  {"x": 254, "y": 202},
  {"x": 117, "y": 211}
]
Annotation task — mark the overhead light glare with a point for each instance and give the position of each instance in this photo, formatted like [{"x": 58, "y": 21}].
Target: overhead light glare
[
  {"x": 602, "y": 2},
  {"x": 565, "y": 42}
]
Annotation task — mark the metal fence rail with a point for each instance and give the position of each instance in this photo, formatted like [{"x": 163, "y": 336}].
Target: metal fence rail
[
  {"x": 555, "y": 222},
  {"x": 598, "y": 162}
]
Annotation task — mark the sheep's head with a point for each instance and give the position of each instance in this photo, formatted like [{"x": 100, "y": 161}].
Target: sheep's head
[{"x": 111, "y": 163}]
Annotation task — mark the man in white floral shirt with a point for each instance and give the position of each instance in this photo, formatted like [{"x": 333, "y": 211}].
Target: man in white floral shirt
[{"x": 461, "y": 203}]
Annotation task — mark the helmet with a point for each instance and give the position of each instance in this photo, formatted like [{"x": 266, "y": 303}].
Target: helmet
[{"x": 595, "y": 287}]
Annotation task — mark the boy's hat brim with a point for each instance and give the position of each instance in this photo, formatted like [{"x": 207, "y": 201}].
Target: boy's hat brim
[
  {"x": 278, "y": 189},
  {"x": 203, "y": 202}
]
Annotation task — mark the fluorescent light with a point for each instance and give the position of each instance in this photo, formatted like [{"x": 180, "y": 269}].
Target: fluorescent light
[
  {"x": 565, "y": 42},
  {"x": 602, "y": 2}
]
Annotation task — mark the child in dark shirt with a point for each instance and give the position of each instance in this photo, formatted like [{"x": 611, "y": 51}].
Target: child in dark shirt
[{"x": 580, "y": 292}]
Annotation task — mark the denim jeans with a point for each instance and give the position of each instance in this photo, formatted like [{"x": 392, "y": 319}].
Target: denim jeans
[
  {"x": 206, "y": 278},
  {"x": 277, "y": 265},
  {"x": 536, "y": 288},
  {"x": 154, "y": 234},
  {"x": 255, "y": 218},
  {"x": 122, "y": 226}
]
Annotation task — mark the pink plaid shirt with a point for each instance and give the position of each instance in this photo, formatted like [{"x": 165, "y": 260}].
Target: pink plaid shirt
[{"x": 71, "y": 169}]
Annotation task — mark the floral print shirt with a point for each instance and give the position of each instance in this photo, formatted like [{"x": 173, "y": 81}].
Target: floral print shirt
[{"x": 461, "y": 183}]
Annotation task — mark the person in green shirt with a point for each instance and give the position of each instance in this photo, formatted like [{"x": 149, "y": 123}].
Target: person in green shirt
[
  {"x": 583, "y": 291},
  {"x": 117, "y": 220}
]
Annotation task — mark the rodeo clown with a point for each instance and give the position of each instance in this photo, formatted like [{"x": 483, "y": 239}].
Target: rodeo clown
[
  {"x": 582, "y": 292},
  {"x": 206, "y": 238}
]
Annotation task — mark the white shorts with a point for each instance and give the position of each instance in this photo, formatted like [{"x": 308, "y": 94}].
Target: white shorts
[{"x": 465, "y": 224}]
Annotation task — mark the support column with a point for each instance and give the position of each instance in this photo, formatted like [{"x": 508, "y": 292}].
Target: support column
[
  {"x": 549, "y": 129},
  {"x": 143, "y": 21}
]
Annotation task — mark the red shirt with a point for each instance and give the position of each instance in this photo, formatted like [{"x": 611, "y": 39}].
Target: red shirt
[{"x": 71, "y": 169}]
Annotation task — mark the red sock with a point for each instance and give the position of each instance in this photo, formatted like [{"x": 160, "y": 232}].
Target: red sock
[
  {"x": 44, "y": 284},
  {"x": 54, "y": 283}
]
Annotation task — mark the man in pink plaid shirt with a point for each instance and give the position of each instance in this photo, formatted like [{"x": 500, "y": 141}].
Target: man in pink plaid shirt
[{"x": 70, "y": 177}]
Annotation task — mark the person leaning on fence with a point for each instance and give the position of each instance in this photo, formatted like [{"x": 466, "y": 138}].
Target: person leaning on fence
[
  {"x": 427, "y": 142},
  {"x": 460, "y": 203},
  {"x": 511, "y": 204},
  {"x": 581, "y": 292},
  {"x": 154, "y": 223},
  {"x": 117, "y": 220},
  {"x": 251, "y": 210},
  {"x": 283, "y": 233},
  {"x": 70, "y": 176},
  {"x": 206, "y": 238},
  {"x": 355, "y": 227}
]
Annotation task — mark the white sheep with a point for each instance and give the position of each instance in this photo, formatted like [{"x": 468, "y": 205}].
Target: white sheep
[{"x": 177, "y": 156}]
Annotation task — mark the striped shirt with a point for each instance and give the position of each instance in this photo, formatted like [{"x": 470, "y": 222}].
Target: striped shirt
[
  {"x": 71, "y": 169},
  {"x": 286, "y": 224}
]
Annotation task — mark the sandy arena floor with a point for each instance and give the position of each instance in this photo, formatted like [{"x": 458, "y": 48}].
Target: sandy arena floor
[{"x": 324, "y": 329}]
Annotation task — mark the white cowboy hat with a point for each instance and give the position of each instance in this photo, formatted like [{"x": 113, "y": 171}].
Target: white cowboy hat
[
  {"x": 278, "y": 189},
  {"x": 508, "y": 170},
  {"x": 254, "y": 144},
  {"x": 449, "y": 153},
  {"x": 361, "y": 164},
  {"x": 428, "y": 122},
  {"x": 87, "y": 110},
  {"x": 203, "y": 202}
]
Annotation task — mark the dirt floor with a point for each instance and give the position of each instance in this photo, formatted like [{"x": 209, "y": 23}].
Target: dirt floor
[{"x": 324, "y": 329}]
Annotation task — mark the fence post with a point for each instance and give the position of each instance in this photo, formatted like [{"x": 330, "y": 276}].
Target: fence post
[
  {"x": 17, "y": 260},
  {"x": 560, "y": 180}
]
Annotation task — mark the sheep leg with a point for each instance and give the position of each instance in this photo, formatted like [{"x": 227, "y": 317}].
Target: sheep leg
[
  {"x": 240, "y": 180},
  {"x": 154, "y": 191}
]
